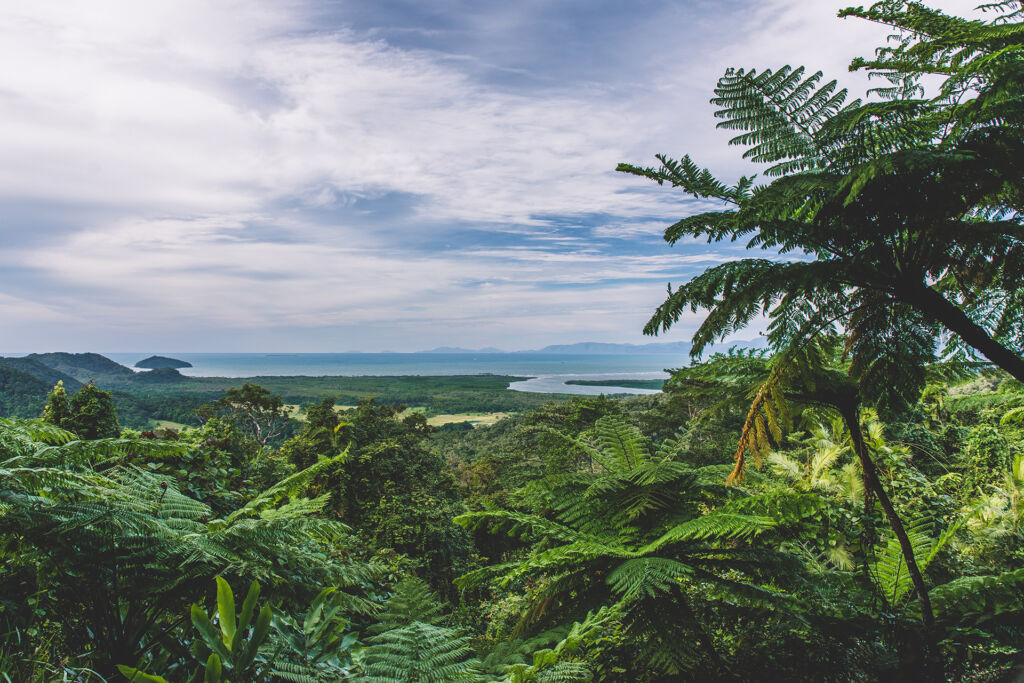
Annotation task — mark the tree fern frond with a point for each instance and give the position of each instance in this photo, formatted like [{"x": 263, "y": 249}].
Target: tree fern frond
[
  {"x": 647, "y": 577},
  {"x": 971, "y": 600},
  {"x": 715, "y": 526},
  {"x": 420, "y": 653},
  {"x": 411, "y": 601},
  {"x": 290, "y": 486}
]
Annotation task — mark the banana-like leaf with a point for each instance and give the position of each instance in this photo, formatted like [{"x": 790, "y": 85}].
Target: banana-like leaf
[
  {"x": 259, "y": 634},
  {"x": 135, "y": 676},
  {"x": 248, "y": 608},
  {"x": 214, "y": 671},
  {"x": 209, "y": 633},
  {"x": 226, "y": 611}
]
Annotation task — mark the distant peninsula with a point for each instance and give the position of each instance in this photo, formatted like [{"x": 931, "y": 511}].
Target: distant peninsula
[{"x": 157, "y": 362}]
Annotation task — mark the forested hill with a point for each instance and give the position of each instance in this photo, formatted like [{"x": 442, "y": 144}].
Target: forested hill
[
  {"x": 160, "y": 362},
  {"x": 84, "y": 366},
  {"x": 24, "y": 384},
  {"x": 21, "y": 394},
  {"x": 44, "y": 373}
]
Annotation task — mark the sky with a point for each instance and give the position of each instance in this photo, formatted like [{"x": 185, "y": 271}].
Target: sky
[{"x": 326, "y": 175}]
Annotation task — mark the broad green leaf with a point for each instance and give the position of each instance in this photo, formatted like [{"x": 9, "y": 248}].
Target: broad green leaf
[
  {"x": 259, "y": 634},
  {"x": 214, "y": 672},
  {"x": 316, "y": 610},
  {"x": 209, "y": 633},
  {"x": 248, "y": 607},
  {"x": 136, "y": 676},
  {"x": 226, "y": 611}
]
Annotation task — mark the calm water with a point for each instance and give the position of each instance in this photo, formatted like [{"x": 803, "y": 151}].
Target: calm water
[{"x": 549, "y": 371}]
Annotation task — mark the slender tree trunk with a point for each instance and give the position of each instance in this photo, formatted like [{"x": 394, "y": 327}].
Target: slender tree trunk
[
  {"x": 867, "y": 534},
  {"x": 933, "y": 304},
  {"x": 851, "y": 416}
]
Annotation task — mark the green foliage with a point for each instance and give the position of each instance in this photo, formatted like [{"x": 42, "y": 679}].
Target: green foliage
[
  {"x": 902, "y": 215},
  {"x": 233, "y": 647},
  {"x": 253, "y": 409},
  {"x": 562, "y": 662},
  {"x": 90, "y": 413},
  {"x": 126, "y": 547},
  {"x": 411, "y": 645},
  {"x": 319, "y": 645},
  {"x": 229, "y": 648},
  {"x": 617, "y": 556},
  {"x": 94, "y": 415},
  {"x": 58, "y": 407},
  {"x": 629, "y": 531},
  {"x": 974, "y": 600},
  {"x": 412, "y": 600},
  {"x": 420, "y": 653},
  {"x": 889, "y": 570}
]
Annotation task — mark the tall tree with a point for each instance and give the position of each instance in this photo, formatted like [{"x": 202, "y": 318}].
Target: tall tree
[
  {"x": 253, "y": 408},
  {"x": 94, "y": 414},
  {"x": 58, "y": 408}
]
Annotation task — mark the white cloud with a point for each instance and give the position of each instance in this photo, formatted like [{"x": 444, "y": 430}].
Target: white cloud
[{"x": 191, "y": 123}]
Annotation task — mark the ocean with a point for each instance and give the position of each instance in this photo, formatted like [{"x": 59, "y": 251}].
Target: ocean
[{"x": 548, "y": 371}]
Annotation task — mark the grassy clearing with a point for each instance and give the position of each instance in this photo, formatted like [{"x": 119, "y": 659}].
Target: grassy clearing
[
  {"x": 475, "y": 418},
  {"x": 167, "y": 424}
]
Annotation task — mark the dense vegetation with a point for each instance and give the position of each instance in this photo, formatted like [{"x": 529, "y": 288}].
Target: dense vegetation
[
  {"x": 589, "y": 539},
  {"x": 847, "y": 505},
  {"x": 164, "y": 395}
]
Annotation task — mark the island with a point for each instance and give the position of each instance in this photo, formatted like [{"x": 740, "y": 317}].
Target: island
[{"x": 155, "y": 362}]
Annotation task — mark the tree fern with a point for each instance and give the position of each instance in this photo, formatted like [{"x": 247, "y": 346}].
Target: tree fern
[
  {"x": 972, "y": 600},
  {"x": 411, "y": 601},
  {"x": 889, "y": 570},
  {"x": 133, "y": 549},
  {"x": 901, "y": 275},
  {"x": 420, "y": 653},
  {"x": 633, "y": 533}
]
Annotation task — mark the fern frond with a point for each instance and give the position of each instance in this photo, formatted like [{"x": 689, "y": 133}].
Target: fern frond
[
  {"x": 647, "y": 577},
  {"x": 972, "y": 600},
  {"x": 420, "y": 653}
]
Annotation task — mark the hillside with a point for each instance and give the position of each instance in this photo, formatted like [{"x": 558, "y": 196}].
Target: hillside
[
  {"x": 21, "y": 394},
  {"x": 42, "y": 372},
  {"x": 85, "y": 366}
]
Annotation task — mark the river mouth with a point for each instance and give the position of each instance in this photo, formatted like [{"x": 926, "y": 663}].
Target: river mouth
[{"x": 556, "y": 384}]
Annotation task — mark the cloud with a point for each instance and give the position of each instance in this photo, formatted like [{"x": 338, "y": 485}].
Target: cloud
[{"x": 182, "y": 170}]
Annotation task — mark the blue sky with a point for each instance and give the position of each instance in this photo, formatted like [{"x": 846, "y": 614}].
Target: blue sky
[{"x": 326, "y": 175}]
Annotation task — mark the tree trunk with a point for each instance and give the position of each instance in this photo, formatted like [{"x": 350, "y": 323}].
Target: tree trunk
[
  {"x": 851, "y": 416},
  {"x": 933, "y": 304}
]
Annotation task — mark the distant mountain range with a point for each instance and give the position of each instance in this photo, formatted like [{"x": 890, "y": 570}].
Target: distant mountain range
[{"x": 581, "y": 348}]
